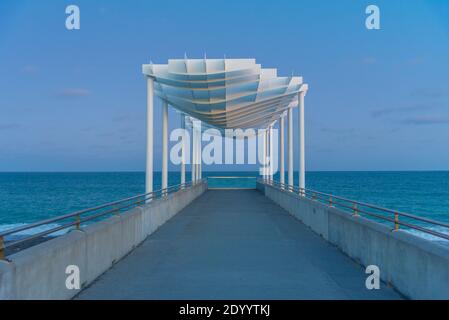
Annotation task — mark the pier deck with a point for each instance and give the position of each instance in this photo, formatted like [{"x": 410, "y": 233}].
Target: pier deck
[{"x": 234, "y": 244}]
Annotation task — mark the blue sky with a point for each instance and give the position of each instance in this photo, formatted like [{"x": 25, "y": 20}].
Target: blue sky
[{"x": 75, "y": 100}]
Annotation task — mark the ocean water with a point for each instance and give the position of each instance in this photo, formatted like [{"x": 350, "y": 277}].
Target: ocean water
[{"x": 30, "y": 197}]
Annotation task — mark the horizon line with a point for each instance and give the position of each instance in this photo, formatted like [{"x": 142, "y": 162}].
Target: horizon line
[{"x": 254, "y": 171}]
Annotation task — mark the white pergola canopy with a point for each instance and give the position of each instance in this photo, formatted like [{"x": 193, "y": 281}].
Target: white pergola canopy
[{"x": 225, "y": 93}]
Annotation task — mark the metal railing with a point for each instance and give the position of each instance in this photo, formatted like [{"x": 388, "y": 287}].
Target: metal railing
[
  {"x": 76, "y": 219},
  {"x": 357, "y": 208}
]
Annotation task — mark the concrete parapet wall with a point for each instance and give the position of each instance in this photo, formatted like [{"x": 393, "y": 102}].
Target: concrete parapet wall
[
  {"x": 39, "y": 272},
  {"x": 416, "y": 267}
]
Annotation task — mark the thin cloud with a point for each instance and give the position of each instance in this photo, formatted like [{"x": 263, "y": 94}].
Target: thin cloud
[
  {"x": 414, "y": 61},
  {"x": 9, "y": 126},
  {"x": 106, "y": 134},
  {"x": 74, "y": 93},
  {"x": 430, "y": 93},
  {"x": 87, "y": 128},
  {"x": 122, "y": 118},
  {"x": 338, "y": 130},
  {"x": 426, "y": 120},
  {"x": 99, "y": 147},
  {"x": 400, "y": 110},
  {"x": 325, "y": 150},
  {"x": 29, "y": 70},
  {"x": 127, "y": 129},
  {"x": 369, "y": 60}
]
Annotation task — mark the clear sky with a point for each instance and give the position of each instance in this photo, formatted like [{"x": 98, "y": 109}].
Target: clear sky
[{"x": 75, "y": 100}]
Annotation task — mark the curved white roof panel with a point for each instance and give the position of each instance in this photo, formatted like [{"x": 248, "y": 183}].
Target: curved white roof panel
[{"x": 225, "y": 93}]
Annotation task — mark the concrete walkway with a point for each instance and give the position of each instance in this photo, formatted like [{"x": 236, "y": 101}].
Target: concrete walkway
[{"x": 234, "y": 244}]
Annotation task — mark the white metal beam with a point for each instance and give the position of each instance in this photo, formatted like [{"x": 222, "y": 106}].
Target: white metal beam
[
  {"x": 164, "y": 183},
  {"x": 200, "y": 149},
  {"x": 149, "y": 155},
  {"x": 281, "y": 151},
  {"x": 183, "y": 149},
  {"x": 271, "y": 150},
  {"x": 302, "y": 165},
  {"x": 290, "y": 147},
  {"x": 193, "y": 163}
]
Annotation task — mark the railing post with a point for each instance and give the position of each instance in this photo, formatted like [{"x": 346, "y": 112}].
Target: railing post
[
  {"x": 330, "y": 201},
  {"x": 355, "y": 210},
  {"x": 2, "y": 248},
  {"x": 78, "y": 222},
  {"x": 396, "y": 221}
]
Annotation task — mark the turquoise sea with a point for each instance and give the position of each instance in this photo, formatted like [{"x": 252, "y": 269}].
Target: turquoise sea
[{"x": 30, "y": 197}]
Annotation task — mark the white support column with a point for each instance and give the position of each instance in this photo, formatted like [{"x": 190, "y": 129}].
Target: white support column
[
  {"x": 149, "y": 160},
  {"x": 290, "y": 147},
  {"x": 196, "y": 128},
  {"x": 200, "y": 150},
  {"x": 196, "y": 155},
  {"x": 265, "y": 154},
  {"x": 164, "y": 183},
  {"x": 261, "y": 150},
  {"x": 183, "y": 149},
  {"x": 268, "y": 153},
  {"x": 271, "y": 150},
  {"x": 281, "y": 155},
  {"x": 193, "y": 165},
  {"x": 302, "y": 165},
  {"x": 197, "y": 167}
]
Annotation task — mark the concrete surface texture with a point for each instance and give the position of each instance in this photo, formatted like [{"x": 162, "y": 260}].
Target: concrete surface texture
[
  {"x": 416, "y": 267},
  {"x": 235, "y": 244}
]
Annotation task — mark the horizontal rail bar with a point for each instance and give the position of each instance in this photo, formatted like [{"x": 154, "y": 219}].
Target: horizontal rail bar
[
  {"x": 386, "y": 210},
  {"x": 371, "y": 206},
  {"x": 114, "y": 207},
  {"x": 39, "y": 235},
  {"x": 84, "y": 211},
  {"x": 357, "y": 206}
]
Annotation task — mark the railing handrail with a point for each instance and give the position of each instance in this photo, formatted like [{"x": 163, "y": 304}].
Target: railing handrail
[
  {"x": 330, "y": 197},
  {"x": 115, "y": 207},
  {"x": 373, "y": 206},
  {"x": 84, "y": 211}
]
